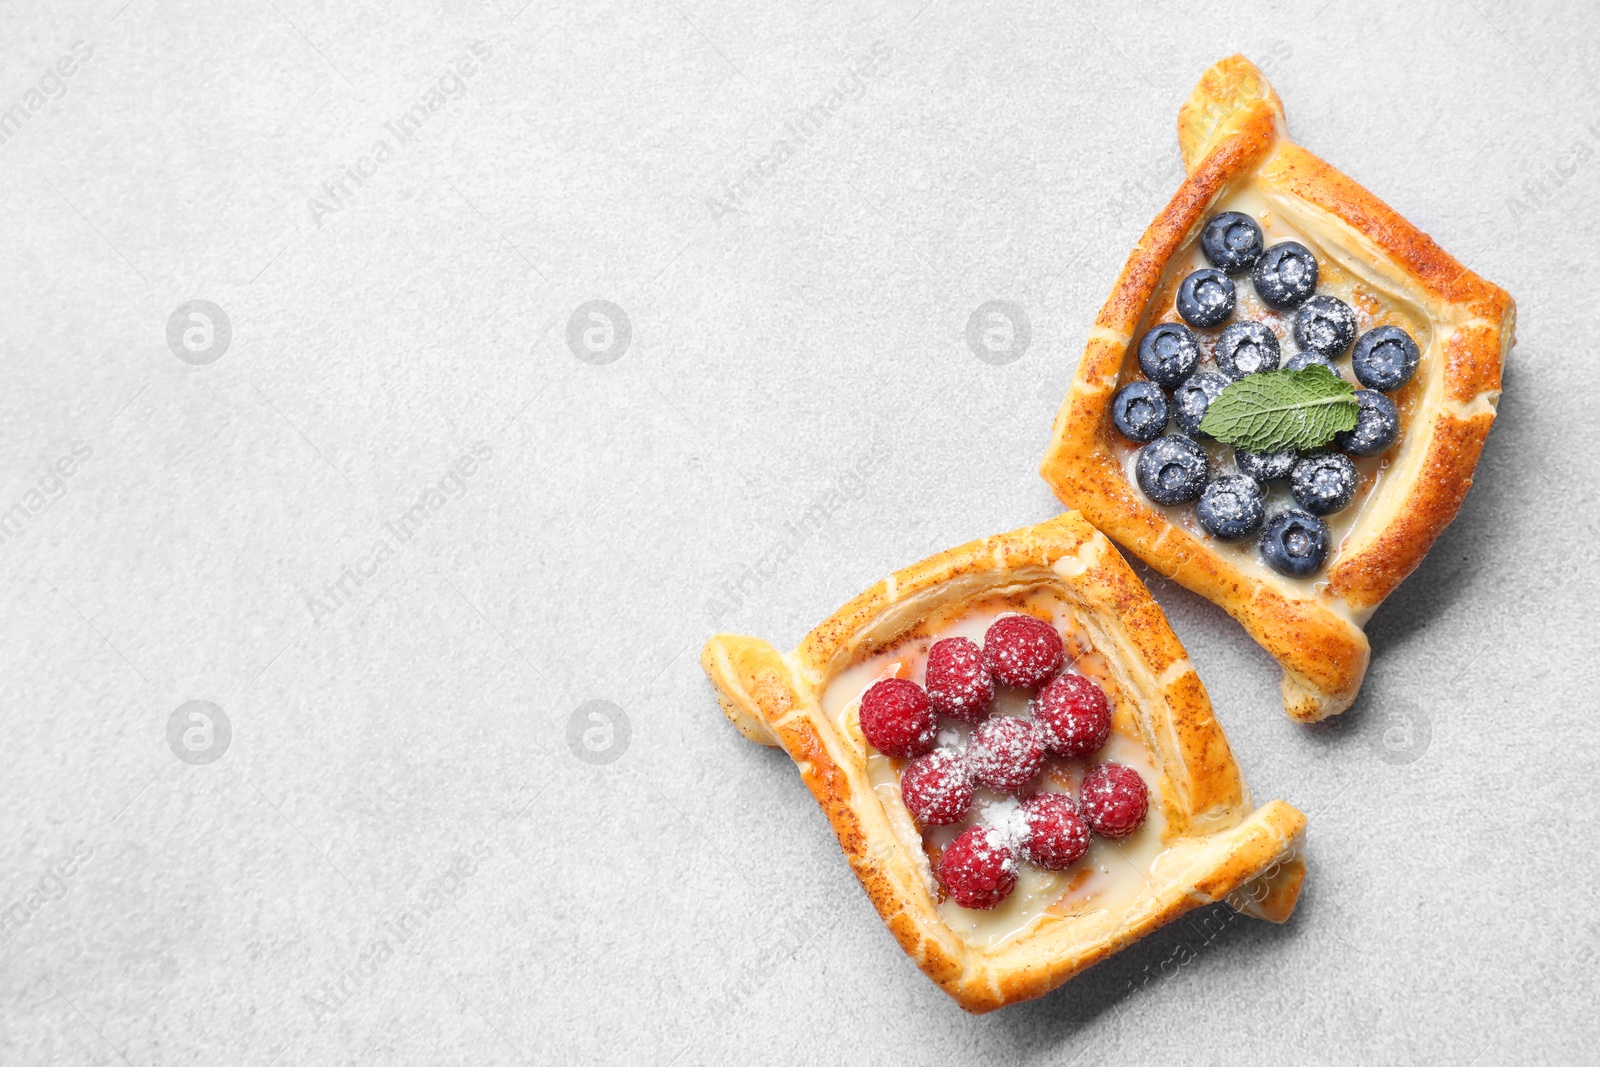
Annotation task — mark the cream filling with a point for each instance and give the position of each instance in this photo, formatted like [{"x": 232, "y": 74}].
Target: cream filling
[{"x": 1109, "y": 875}]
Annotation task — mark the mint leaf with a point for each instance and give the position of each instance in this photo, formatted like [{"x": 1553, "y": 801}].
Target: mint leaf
[{"x": 1282, "y": 409}]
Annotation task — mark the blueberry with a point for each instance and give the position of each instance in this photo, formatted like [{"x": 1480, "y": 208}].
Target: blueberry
[
  {"x": 1232, "y": 507},
  {"x": 1140, "y": 411},
  {"x": 1325, "y": 324},
  {"x": 1172, "y": 469},
  {"x": 1377, "y": 425},
  {"x": 1385, "y": 358},
  {"x": 1285, "y": 274},
  {"x": 1246, "y": 347},
  {"x": 1168, "y": 353},
  {"x": 1194, "y": 396},
  {"x": 1302, "y": 360},
  {"x": 1265, "y": 466},
  {"x": 1206, "y": 298},
  {"x": 1231, "y": 241},
  {"x": 1324, "y": 483},
  {"x": 1295, "y": 544}
]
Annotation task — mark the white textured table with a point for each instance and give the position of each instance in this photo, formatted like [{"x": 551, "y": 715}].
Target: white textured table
[{"x": 383, "y": 518}]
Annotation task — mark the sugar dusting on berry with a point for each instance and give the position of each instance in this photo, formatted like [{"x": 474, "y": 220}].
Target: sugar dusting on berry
[
  {"x": 897, "y": 718},
  {"x": 1006, "y": 823},
  {"x": 1057, "y": 836},
  {"x": 1114, "y": 800},
  {"x": 958, "y": 680},
  {"x": 1000, "y": 845},
  {"x": 1022, "y": 651},
  {"x": 1074, "y": 716},
  {"x": 1006, "y": 754},
  {"x": 937, "y": 788},
  {"x": 978, "y": 870}
]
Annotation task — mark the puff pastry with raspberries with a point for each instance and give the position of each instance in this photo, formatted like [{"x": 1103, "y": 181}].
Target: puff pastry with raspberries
[{"x": 1018, "y": 760}]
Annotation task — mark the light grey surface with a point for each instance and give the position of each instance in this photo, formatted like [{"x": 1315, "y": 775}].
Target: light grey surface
[{"x": 806, "y": 349}]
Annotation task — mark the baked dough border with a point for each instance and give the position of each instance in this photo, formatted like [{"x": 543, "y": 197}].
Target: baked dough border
[
  {"x": 1232, "y": 133},
  {"x": 1218, "y": 847}
]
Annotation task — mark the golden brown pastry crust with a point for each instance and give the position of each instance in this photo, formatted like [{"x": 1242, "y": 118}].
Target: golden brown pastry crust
[
  {"x": 1219, "y": 848},
  {"x": 1232, "y": 135}
]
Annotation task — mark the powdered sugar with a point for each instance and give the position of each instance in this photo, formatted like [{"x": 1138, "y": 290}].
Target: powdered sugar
[
  {"x": 1057, "y": 834},
  {"x": 978, "y": 870},
  {"x": 1006, "y": 754},
  {"x": 1074, "y": 716},
  {"x": 937, "y": 788},
  {"x": 1022, "y": 651},
  {"x": 958, "y": 680},
  {"x": 1114, "y": 800},
  {"x": 1006, "y": 822}
]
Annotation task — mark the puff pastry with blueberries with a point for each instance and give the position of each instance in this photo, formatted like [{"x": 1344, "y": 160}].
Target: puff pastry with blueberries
[
  {"x": 1018, "y": 760},
  {"x": 1199, "y": 431}
]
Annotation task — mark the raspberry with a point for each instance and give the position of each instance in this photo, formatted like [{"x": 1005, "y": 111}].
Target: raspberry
[
  {"x": 1113, "y": 800},
  {"x": 958, "y": 680},
  {"x": 1057, "y": 837},
  {"x": 1074, "y": 716},
  {"x": 936, "y": 788},
  {"x": 978, "y": 870},
  {"x": 898, "y": 719},
  {"x": 1022, "y": 651},
  {"x": 1005, "y": 753}
]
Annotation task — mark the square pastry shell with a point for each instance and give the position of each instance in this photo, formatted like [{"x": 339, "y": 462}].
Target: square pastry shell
[{"x": 1219, "y": 846}]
